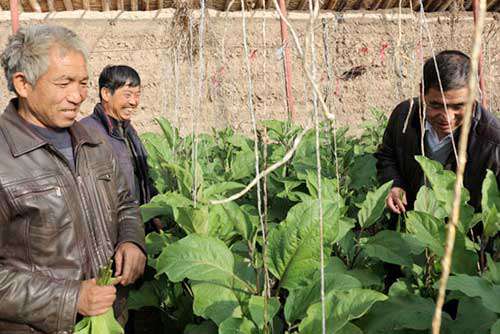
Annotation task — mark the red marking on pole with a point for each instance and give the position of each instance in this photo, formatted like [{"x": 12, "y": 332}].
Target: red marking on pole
[
  {"x": 287, "y": 61},
  {"x": 363, "y": 51},
  {"x": 383, "y": 47},
  {"x": 482, "y": 86},
  {"x": 14, "y": 15}
]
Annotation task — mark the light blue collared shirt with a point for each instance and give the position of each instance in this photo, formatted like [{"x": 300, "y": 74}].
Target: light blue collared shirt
[{"x": 439, "y": 149}]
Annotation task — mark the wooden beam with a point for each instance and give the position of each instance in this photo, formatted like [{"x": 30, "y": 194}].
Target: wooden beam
[
  {"x": 302, "y": 4},
  {"x": 491, "y": 4},
  {"x": 35, "y": 6},
  {"x": 146, "y": 4},
  {"x": 134, "y": 5},
  {"x": 332, "y": 5},
  {"x": 445, "y": 5},
  {"x": 106, "y": 5},
  {"x": 50, "y": 4},
  {"x": 68, "y": 5},
  {"x": 120, "y": 5},
  {"x": 85, "y": 3}
]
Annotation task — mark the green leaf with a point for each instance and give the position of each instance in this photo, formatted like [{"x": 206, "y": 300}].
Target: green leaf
[
  {"x": 400, "y": 313},
  {"x": 155, "y": 242},
  {"x": 493, "y": 273},
  {"x": 192, "y": 220},
  {"x": 432, "y": 233},
  {"x": 222, "y": 189},
  {"x": 392, "y": 247},
  {"x": 237, "y": 326},
  {"x": 215, "y": 302},
  {"x": 163, "y": 204},
  {"x": 151, "y": 293},
  {"x": 198, "y": 258},
  {"x": 362, "y": 171},
  {"x": 427, "y": 202},
  {"x": 104, "y": 323},
  {"x": 350, "y": 328},
  {"x": 300, "y": 299},
  {"x": 472, "y": 318},
  {"x": 329, "y": 187},
  {"x": 206, "y": 327},
  {"x": 231, "y": 215},
  {"x": 169, "y": 132},
  {"x": 477, "y": 287},
  {"x": 256, "y": 308},
  {"x": 294, "y": 251},
  {"x": 495, "y": 329},
  {"x": 341, "y": 307},
  {"x": 373, "y": 206},
  {"x": 243, "y": 165},
  {"x": 490, "y": 203}
]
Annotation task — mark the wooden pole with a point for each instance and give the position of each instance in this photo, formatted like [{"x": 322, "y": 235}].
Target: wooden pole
[
  {"x": 14, "y": 15},
  {"x": 482, "y": 86},
  {"x": 287, "y": 62}
]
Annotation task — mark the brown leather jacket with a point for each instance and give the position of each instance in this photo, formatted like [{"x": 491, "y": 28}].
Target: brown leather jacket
[
  {"x": 396, "y": 154},
  {"x": 57, "y": 227}
]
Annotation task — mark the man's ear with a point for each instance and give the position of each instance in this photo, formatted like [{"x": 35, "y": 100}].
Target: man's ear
[
  {"x": 21, "y": 85},
  {"x": 105, "y": 94}
]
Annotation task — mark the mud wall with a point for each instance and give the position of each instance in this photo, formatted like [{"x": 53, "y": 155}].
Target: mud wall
[{"x": 374, "y": 60}]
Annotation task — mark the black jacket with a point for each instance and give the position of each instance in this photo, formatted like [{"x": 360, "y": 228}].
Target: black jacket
[
  {"x": 395, "y": 156},
  {"x": 132, "y": 166}
]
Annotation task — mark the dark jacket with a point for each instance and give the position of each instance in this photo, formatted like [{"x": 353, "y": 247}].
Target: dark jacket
[
  {"x": 57, "y": 227},
  {"x": 395, "y": 156},
  {"x": 132, "y": 166}
]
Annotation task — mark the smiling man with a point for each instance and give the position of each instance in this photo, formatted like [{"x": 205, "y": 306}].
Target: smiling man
[
  {"x": 65, "y": 205},
  {"x": 120, "y": 93},
  {"x": 440, "y": 116}
]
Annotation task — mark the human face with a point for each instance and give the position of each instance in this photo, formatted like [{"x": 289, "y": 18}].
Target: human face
[
  {"x": 435, "y": 112},
  {"x": 54, "y": 101},
  {"x": 123, "y": 103}
]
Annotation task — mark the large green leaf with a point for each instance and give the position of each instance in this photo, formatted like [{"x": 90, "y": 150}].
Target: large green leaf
[
  {"x": 294, "y": 250},
  {"x": 431, "y": 232},
  {"x": 392, "y": 247},
  {"x": 373, "y": 206},
  {"x": 399, "y": 313},
  {"x": 238, "y": 326},
  {"x": 495, "y": 329},
  {"x": 230, "y": 215},
  {"x": 193, "y": 220},
  {"x": 329, "y": 187},
  {"x": 215, "y": 302},
  {"x": 169, "y": 132},
  {"x": 198, "y": 258},
  {"x": 477, "y": 287},
  {"x": 301, "y": 298},
  {"x": 341, "y": 307},
  {"x": 472, "y": 318},
  {"x": 490, "y": 203},
  {"x": 442, "y": 181},
  {"x": 222, "y": 189},
  {"x": 427, "y": 202},
  {"x": 243, "y": 165},
  {"x": 256, "y": 309},
  {"x": 163, "y": 204}
]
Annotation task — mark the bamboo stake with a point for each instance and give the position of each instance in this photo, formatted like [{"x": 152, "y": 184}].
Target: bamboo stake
[{"x": 462, "y": 158}]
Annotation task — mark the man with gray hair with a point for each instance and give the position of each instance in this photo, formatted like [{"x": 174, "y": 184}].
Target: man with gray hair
[{"x": 65, "y": 207}]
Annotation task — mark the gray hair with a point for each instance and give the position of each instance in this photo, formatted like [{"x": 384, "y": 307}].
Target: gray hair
[{"x": 27, "y": 51}]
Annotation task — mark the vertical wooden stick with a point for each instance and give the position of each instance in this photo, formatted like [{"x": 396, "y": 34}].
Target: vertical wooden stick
[
  {"x": 14, "y": 15},
  {"x": 287, "y": 62}
]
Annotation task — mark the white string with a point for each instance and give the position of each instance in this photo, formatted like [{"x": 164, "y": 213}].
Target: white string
[
  {"x": 256, "y": 151},
  {"x": 313, "y": 15}
]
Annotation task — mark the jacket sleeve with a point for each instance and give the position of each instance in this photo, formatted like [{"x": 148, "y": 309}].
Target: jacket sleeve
[
  {"x": 387, "y": 162},
  {"x": 31, "y": 298},
  {"x": 130, "y": 226}
]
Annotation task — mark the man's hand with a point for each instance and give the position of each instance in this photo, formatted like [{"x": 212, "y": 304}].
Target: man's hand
[
  {"x": 130, "y": 262},
  {"x": 95, "y": 299},
  {"x": 396, "y": 200}
]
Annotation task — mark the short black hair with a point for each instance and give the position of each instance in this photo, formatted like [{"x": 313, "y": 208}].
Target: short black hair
[
  {"x": 114, "y": 77},
  {"x": 454, "y": 70}
]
